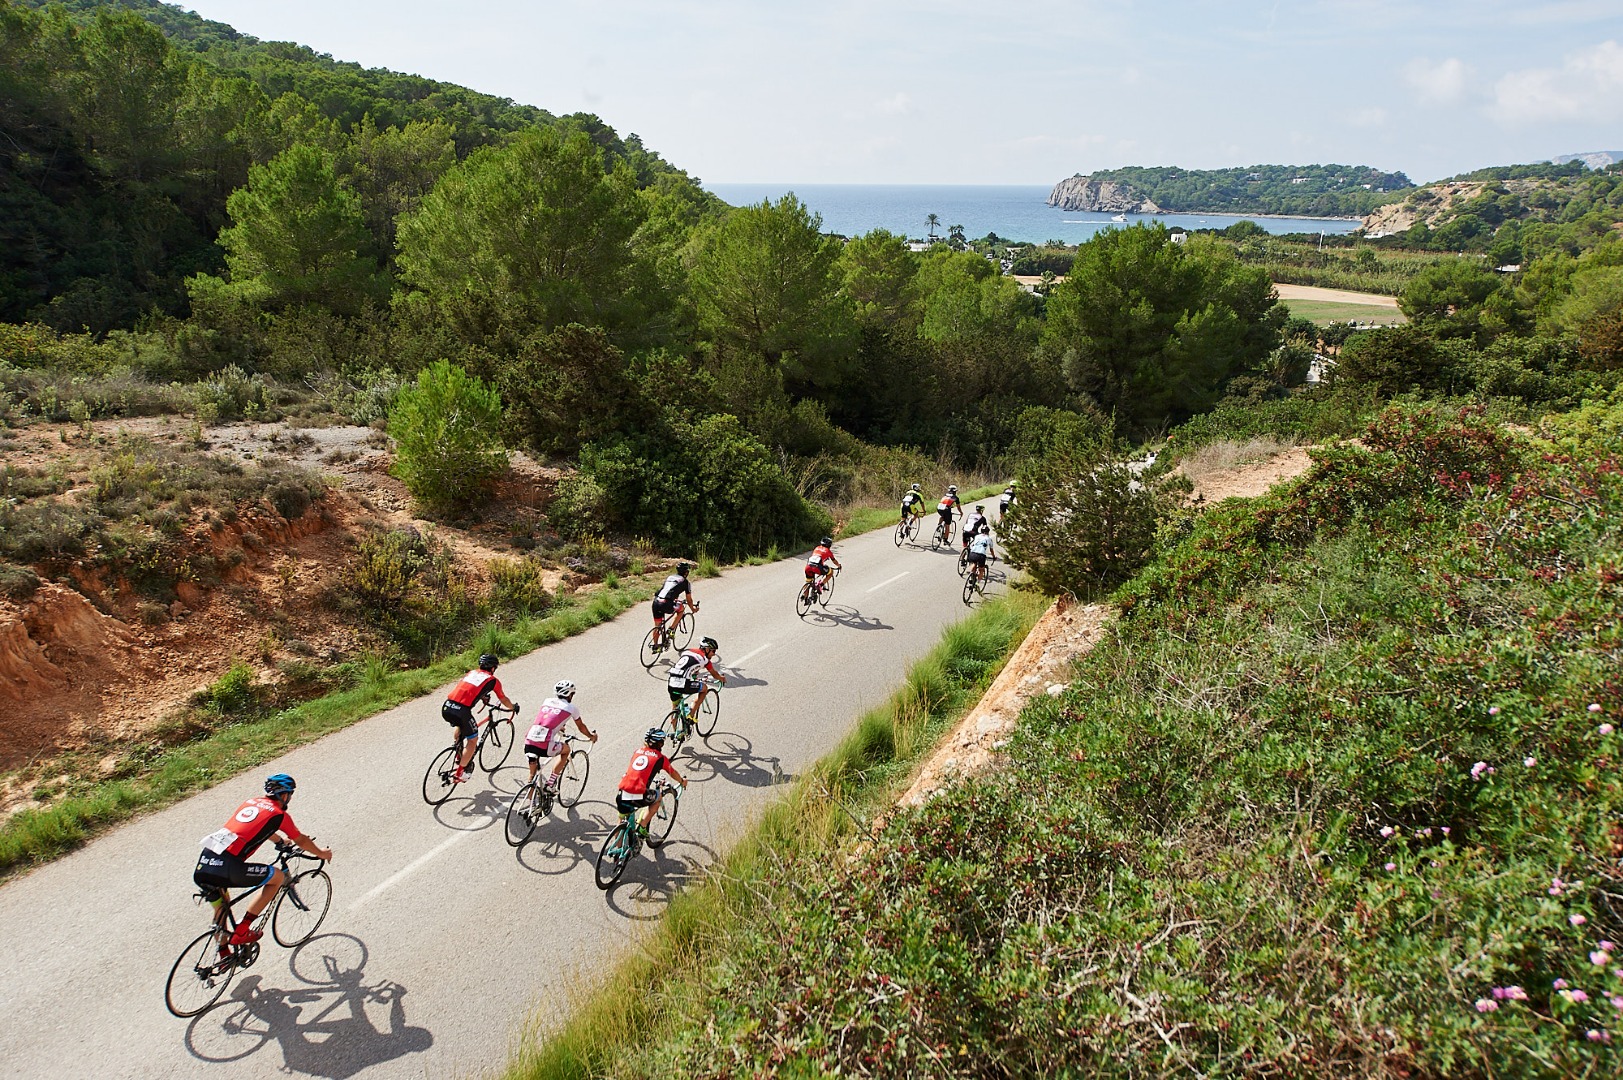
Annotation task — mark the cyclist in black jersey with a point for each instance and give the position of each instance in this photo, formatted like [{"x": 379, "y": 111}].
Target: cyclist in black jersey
[{"x": 676, "y": 586}]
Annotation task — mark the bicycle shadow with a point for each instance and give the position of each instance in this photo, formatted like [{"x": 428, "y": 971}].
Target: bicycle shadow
[
  {"x": 729, "y": 756},
  {"x": 563, "y": 841},
  {"x": 846, "y": 616},
  {"x": 642, "y": 894},
  {"x": 736, "y": 678},
  {"x": 335, "y": 1025},
  {"x": 474, "y": 812}
]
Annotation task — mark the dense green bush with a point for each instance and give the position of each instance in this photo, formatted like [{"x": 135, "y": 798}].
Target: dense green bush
[{"x": 447, "y": 429}]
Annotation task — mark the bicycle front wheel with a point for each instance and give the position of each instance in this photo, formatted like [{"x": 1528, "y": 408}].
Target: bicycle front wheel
[
  {"x": 969, "y": 588},
  {"x": 828, "y": 589},
  {"x": 301, "y": 908},
  {"x": 437, "y": 786},
  {"x": 496, "y": 744},
  {"x": 521, "y": 814},
  {"x": 682, "y": 632},
  {"x": 803, "y": 601},
  {"x": 963, "y": 562},
  {"x": 659, "y": 829},
  {"x": 912, "y": 528},
  {"x": 614, "y": 854},
  {"x": 709, "y": 712},
  {"x": 573, "y": 781},
  {"x": 200, "y": 975},
  {"x": 653, "y": 647}
]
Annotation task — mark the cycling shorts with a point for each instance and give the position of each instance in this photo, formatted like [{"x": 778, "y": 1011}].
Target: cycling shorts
[
  {"x": 690, "y": 686},
  {"x": 229, "y": 872},
  {"x": 627, "y": 803},
  {"x": 813, "y": 570},
  {"x": 664, "y": 608},
  {"x": 554, "y": 746},
  {"x": 461, "y": 717},
  {"x": 977, "y": 558}
]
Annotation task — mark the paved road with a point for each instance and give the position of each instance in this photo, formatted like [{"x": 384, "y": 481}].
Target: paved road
[{"x": 442, "y": 939}]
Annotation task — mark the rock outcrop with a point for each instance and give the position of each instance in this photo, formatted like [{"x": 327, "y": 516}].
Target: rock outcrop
[{"x": 1102, "y": 196}]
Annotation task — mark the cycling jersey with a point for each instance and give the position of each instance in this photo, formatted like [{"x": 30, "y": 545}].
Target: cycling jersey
[
  {"x": 674, "y": 586},
  {"x": 685, "y": 671},
  {"x": 255, "y": 821},
  {"x": 645, "y": 764},
  {"x": 474, "y": 688},
  {"x": 911, "y": 499},
  {"x": 820, "y": 556},
  {"x": 981, "y": 545},
  {"x": 555, "y": 712},
  {"x": 947, "y": 502},
  {"x": 975, "y": 523}
]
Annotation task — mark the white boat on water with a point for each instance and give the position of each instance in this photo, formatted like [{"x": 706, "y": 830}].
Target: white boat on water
[{"x": 1118, "y": 217}]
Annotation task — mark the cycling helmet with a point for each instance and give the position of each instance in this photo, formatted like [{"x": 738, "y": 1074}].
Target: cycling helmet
[
  {"x": 488, "y": 662},
  {"x": 279, "y": 784},
  {"x": 915, "y": 487},
  {"x": 682, "y": 569},
  {"x": 564, "y": 689},
  {"x": 654, "y": 737},
  {"x": 709, "y": 644},
  {"x": 952, "y": 489},
  {"x": 980, "y": 509},
  {"x": 826, "y": 541}
]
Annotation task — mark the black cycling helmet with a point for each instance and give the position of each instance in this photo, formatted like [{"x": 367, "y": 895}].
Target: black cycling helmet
[
  {"x": 709, "y": 643},
  {"x": 980, "y": 509},
  {"x": 654, "y": 737},
  {"x": 280, "y": 785},
  {"x": 488, "y": 662},
  {"x": 826, "y": 541},
  {"x": 682, "y": 569}
]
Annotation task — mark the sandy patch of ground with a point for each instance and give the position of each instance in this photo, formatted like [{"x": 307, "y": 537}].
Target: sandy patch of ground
[
  {"x": 1065, "y": 632},
  {"x": 1334, "y": 296}
]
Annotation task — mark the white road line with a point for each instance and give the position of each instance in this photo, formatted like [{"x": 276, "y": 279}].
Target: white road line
[
  {"x": 746, "y": 656},
  {"x": 416, "y": 864},
  {"x": 887, "y": 581}
]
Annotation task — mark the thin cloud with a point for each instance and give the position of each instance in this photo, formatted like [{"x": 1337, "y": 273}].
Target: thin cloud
[
  {"x": 1443, "y": 82},
  {"x": 1371, "y": 117},
  {"x": 1587, "y": 86}
]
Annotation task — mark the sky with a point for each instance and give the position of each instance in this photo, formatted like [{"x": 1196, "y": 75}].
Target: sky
[{"x": 1013, "y": 91}]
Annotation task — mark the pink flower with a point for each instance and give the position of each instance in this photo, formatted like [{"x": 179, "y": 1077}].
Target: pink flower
[
  {"x": 1594, "y": 706},
  {"x": 1560, "y": 984},
  {"x": 1486, "y": 1005},
  {"x": 1481, "y": 767},
  {"x": 1494, "y": 711},
  {"x": 1608, "y": 945},
  {"x": 1391, "y": 866},
  {"x": 1388, "y": 831},
  {"x": 1617, "y": 1003},
  {"x": 1578, "y": 997},
  {"x": 1530, "y": 761},
  {"x": 1515, "y": 993},
  {"x": 1605, "y": 729},
  {"x": 1598, "y": 1035},
  {"x": 1556, "y": 886},
  {"x": 1576, "y": 920},
  {"x": 1446, "y": 830},
  {"x": 1598, "y": 958}
]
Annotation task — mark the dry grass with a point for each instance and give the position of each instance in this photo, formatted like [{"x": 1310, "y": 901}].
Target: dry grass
[{"x": 1203, "y": 463}]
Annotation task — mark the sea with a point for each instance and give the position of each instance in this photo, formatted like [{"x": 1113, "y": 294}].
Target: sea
[{"x": 1012, "y": 211}]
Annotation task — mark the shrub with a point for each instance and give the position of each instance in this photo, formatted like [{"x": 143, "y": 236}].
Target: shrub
[
  {"x": 516, "y": 584},
  {"x": 579, "y": 508},
  {"x": 40, "y": 530},
  {"x": 385, "y": 566},
  {"x": 234, "y": 692},
  {"x": 447, "y": 432},
  {"x": 17, "y": 582},
  {"x": 230, "y": 394}
]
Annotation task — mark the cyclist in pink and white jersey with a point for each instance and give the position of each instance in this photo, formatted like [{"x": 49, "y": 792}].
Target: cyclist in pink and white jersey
[{"x": 546, "y": 737}]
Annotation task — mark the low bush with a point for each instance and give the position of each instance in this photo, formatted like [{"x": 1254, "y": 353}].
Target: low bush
[{"x": 447, "y": 429}]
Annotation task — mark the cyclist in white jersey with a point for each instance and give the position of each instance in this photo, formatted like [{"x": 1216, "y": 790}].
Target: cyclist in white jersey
[
  {"x": 546, "y": 737},
  {"x": 683, "y": 678}
]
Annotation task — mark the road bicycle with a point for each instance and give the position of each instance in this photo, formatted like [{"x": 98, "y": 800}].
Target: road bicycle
[
  {"x": 975, "y": 582},
  {"x": 673, "y": 633},
  {"x": 496, "y": 739},
  {"x": 907, "y": 529},
  {"x": 625, "y": 840},
  {"x": 942, "y": 537},
  {"x": 534, "y": 800},
  {"x": 681, "y": 722},
  {"x": 206, "y": 966},
  {"x": 816, "y": 590}
]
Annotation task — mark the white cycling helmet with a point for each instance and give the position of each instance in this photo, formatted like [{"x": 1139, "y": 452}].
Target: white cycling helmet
[{"x": 564, "y": 689}]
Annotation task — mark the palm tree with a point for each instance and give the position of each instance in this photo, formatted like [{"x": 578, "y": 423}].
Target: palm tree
[
  {"x": 955, "y": 237},
  {"x": 933, "y": 220}
]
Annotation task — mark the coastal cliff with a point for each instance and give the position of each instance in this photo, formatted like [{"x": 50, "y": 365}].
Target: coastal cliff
[{"x": 1105, "y": 196}]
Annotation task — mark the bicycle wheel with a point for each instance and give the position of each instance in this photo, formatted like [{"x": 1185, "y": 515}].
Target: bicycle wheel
[
  {"x": 573, "y": 781},
  {"x": 803, "y": 601},
  {"x": 200, "y": 975},
  {"x": 709, "y": 712},
  {"x": 675, "y": 735},
  {"x": 303, "y": 902},
  {"x": 496, "y": 744},
  {"x": 938, "y": 537},
  {"x": 969, "y": 588},
  {"x": 522, "y": 813},
  {"x": 901, "y": 532},
  {"x": 912, "y": 528},
  {"x": 963, "y": 562},
  {"x": 664, "y": 817},
  {"x": 437, "y": 786},
  {"x": 614, "y": 854},
  {"x": 653, "y": 647},
  {"x": 682, "y": 632},
  {"x": 828, "y": 589}
]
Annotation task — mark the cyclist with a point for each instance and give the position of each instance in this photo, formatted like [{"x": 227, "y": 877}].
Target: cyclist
[
  {"x": 913, "y": 503},
  {"x": 676, "y": 586},
  {"x": 949, "y": 502},
  {"x": 646, "y": 762},
  {"x": 472, "y": 689},
  {"x": 223, "y": 863},
  {"x": 1005, "y": 500},
  {"x": 684, "y": 675},
  {"x": 979, "y": 551},
  {"x": 975, "y": 523},
  {"x": 821, "y": 563},
  {"x": 546, "y": 736}
]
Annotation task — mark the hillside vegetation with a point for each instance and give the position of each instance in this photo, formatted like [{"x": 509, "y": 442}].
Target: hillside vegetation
[{"x": 1286, "y": 190}]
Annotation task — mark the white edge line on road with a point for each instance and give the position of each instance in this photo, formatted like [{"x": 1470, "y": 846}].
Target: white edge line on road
[
  {"x": 752, "y": 652},
  {"x": 400, "y": 875},
  {"x": 887, "y": 581}
]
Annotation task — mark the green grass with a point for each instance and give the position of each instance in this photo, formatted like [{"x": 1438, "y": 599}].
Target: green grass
[
  {"x": 1324, "y": 312},
  {"x": 34, "y": 836},
  {"x": 830, "y": 803}
]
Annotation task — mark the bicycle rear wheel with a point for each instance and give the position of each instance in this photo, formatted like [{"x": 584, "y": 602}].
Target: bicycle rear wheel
[
  {"x": 301, "y": 908},
  {"x": 522, "y": 813},
  {"x": 659, "y": 829},
  {"x": 200, "y": 975},
  {"x": 437, "y": 786},
  {"x": 496, "y": 745},
  {"x": 614, "y": 854},
  {"x": 675, "y": 733},
  {"x": 803, "y": 601},
  {"x": 573, "y": 781},
  {"x": 709, "y": 712},
  {"x": 653, "y": 647},
  {"x": 901, "y": 532}
]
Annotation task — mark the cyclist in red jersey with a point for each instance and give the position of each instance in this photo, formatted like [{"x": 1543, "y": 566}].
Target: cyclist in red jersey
[
  {"x": 472, "y": 689},
  {"x": 223, "y": 863},
  {"x": 821, "y": 563},
  {"x": 949, "y": 503},
  {"x": 646, "y": 763}
]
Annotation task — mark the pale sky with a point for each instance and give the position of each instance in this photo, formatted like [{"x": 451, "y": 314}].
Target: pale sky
[{"x": 1012, "y": 91}]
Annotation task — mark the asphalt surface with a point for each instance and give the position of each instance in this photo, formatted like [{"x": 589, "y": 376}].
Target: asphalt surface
[{"x": 443, "y": 941}]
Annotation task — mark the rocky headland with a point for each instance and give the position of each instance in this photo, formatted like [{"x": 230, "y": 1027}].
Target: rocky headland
[{"x": 1103, "y": 196}]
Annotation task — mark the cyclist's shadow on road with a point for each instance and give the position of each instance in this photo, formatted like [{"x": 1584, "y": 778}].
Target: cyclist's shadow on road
[
  {"x": 730, "y": 757},
  {"x": 848, "y": 617},
  {"x": 332, "y": 1024},
  {"x": 656, "y": 875},
  {"x": 476, "y": 811},
  {"x": 564, "y": 840}
]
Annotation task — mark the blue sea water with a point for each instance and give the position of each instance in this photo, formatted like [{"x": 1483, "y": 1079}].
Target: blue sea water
[{"x": 1014, "y": 212}]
